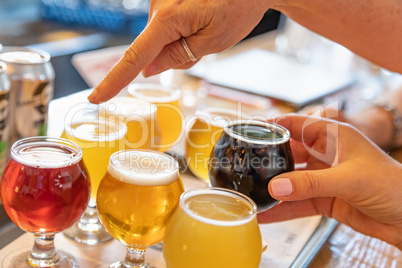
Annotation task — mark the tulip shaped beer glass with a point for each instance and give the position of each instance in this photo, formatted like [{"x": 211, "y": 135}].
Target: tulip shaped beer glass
[
  {"x": 45, "y": 190},
  {"x": 99, "y": 139},
  {"x": 136, "y": 198},
  {"x": 247, "y": 156}
]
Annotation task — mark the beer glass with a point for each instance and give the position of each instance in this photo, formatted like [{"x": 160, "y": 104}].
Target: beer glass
[
  {"x": 169, "y": 115},
  {"x": 45, "y": 190},
  {"x": 247, "y": 156},
  {"x": 140, "y": 118},
  {"x": 213, "y": 227},
  {"x": 99, "y": 139},
  {"x": 202, "y": 135},
  {"x": 136, "y": 199}
]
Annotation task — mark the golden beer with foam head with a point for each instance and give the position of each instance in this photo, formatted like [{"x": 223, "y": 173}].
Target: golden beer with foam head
[
  {"x": 140, "y": 118},
  {"x": 169, "y": 115},
  {"x": 202, "y": 135},
  {"x": 138, "y": 195}
]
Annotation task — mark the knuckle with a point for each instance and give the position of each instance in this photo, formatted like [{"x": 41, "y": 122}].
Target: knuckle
[
  {"x": 177, "y": 55},
  {"x": 309, "y": 184},
  {"x": 110, "y": 79},
  {"x": 130, "y": 58}
]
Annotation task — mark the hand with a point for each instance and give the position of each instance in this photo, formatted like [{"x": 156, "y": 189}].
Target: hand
[
  {"x": 208, "y": 26},
  {"x": 347, "y": 178}
]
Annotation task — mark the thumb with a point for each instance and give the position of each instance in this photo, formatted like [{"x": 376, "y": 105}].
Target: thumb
[{"x": 300, "y": 185}]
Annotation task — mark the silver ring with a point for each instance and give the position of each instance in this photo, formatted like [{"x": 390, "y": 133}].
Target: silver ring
[{"x": 187, "y": 49}]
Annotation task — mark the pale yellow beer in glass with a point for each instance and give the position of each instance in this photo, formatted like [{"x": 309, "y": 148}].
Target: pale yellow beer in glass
[
  {"x": 140, "y": 118},
  {"x": 137, "y": 197},
  {"x": 98, "y": 139},
  {"x": 169, "y": 115},
  {"x": 202, "y": 135},
  {"x": 214, "y": 228}
]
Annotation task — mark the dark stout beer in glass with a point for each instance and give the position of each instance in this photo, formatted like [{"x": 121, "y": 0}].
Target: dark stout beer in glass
[{"x": 247, "y": 156}]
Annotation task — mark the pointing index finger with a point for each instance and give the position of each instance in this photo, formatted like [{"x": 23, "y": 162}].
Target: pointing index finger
[{"x": 141, "y": 53}]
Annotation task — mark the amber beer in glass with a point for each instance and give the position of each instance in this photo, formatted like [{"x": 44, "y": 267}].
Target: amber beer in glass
[
  {"x": 213, "y": 227},
  {"x": 202, "y": 135},
  {"x": 45, "y": 190},
  {"x": 136, "y": 198},
  {"x": 99, "y": 139},
  {"x": 168, "y": 114},
  {"x": 247, "y": 156}
]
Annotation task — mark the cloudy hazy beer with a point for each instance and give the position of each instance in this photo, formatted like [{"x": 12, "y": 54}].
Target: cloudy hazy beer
[
  {"x": 202, "y": 136},
  {"x": 138, "y": 195},
  {"x": 213, "y": 227},
  {"x": 99, "y": 139},
  {"x": 140, "y": 118},
  {"x": 168, "y": 114}
]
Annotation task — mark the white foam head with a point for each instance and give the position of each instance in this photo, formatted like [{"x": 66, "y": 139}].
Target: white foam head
[
  {"x": 95, "y": 129},
  {"x": 46, "y": 152},
  {"x": 24, "y": 57},
  {"x": 218, "y": 191},
  {"x": 128, "y": 106},
  {"x": 143, "y": 167},
  {"x": 154, "y": 93}
]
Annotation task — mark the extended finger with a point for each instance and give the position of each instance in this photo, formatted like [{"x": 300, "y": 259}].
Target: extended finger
[
  {"x": 306, "y": 129},
  {"x": 300, "y": 185},
  {"x": 296, "y": 209},
  {"x": 158, "y": 33}
]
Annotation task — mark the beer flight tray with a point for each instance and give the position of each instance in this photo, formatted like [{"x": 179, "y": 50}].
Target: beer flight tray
[{"x": 290, "y": 244}]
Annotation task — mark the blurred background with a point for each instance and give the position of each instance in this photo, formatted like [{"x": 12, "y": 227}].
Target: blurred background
[{"x": 66, "y": 27}]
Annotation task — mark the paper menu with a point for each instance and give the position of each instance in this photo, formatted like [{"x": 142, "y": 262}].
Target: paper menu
[{"x": 94, "y": 65}]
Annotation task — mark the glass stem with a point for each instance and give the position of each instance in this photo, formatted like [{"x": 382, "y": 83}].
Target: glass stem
[
  {"x": 43, "y": 253},
  {"x": 134, "y": 258}
]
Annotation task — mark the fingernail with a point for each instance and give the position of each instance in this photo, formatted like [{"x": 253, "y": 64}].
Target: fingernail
[
  {"x": 281, "y": 187},
  {"x": 93, "y": 97},
  {"x": 151, "y": 69}
]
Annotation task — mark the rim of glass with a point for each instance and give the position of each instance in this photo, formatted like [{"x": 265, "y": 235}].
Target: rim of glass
[
  {"x": 108, "y": 112},
  {"x": 173, "y": 170},
  {"x": 23, "y": 143},
  {"x": 3, "y": 67},
  {"x": 120, "y": 127},
  {"x": 218, "y": 191},
  {"x": 45, "y": 56},
  {"x": 209, "y": 110},
  {"x": 269, "y": 125},
  {"x": 175, "y": 90}
]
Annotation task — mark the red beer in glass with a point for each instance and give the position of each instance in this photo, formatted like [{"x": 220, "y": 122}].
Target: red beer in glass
[{"x": 44, "y": 190}]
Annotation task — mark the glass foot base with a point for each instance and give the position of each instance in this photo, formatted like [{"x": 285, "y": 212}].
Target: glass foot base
[
  {"x": 88, "y": 236},
  {"x": 120, "y": 264},
  {"x": 65, "y": 261}
]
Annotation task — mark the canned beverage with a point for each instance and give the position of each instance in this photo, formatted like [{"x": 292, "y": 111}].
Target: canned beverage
[
  {"x": 32, "y": 80},
  {"x": 5, "y": 142}
]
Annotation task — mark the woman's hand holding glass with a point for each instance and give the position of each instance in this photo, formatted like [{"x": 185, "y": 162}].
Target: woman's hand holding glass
[{"x": 341, "y": 180}]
